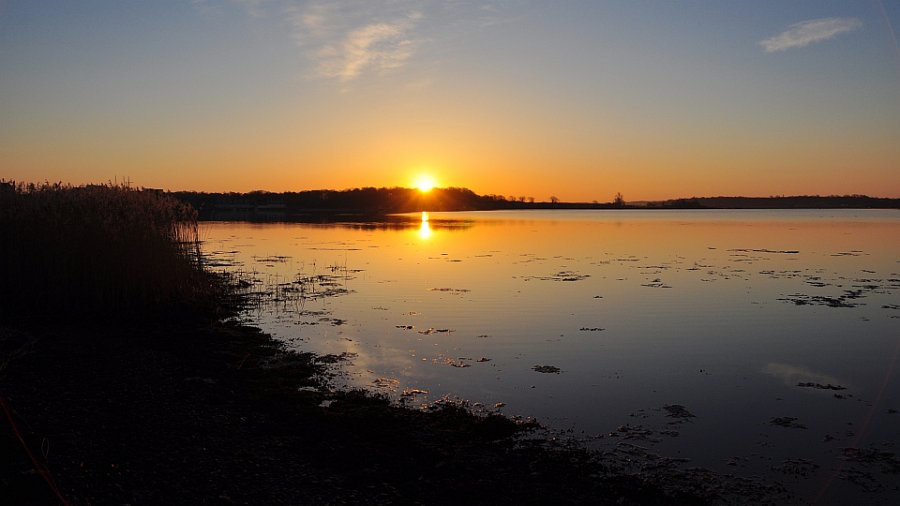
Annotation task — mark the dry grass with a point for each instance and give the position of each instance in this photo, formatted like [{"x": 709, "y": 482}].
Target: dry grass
[{"x": 98, "y": 250}]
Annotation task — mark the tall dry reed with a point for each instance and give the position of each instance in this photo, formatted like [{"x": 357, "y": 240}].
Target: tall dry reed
[{"x": 98, "y": 250}]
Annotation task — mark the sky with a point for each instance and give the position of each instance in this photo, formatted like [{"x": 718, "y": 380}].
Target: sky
[{"x": 573, "y": 99}]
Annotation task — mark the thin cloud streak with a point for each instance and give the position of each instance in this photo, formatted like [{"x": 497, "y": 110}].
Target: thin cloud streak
[
  {"x": 809, "y": 32},
  {"x": 376, "y": 46},
  {"x": 344, "y": 44},
  {"x": 346, "y": 40}
]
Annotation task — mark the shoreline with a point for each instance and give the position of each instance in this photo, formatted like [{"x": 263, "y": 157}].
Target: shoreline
[{"x": 219, "y": 413}]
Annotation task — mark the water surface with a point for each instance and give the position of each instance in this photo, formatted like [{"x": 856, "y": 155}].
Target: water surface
[{"x": 778, "y": 331}]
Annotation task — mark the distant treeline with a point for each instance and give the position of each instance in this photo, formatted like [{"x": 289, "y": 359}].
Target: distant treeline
[
  {"x": 358, "y": 201},
  {"x": 793, "y": 202}
]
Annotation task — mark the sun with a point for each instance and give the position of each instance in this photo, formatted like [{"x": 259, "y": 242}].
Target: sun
[{"x": 425, "y": 183}]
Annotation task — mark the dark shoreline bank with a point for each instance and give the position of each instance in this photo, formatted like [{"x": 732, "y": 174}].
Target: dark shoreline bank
[{"x": 194, "y": 412}]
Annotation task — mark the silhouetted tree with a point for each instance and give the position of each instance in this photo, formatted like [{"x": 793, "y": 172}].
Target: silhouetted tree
[
  {"x": 554, "y": 199},
  {"x": 619, "y": 200}
]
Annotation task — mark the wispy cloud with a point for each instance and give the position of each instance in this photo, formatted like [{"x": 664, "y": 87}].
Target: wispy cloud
[
  {"x": 347, "y": 39},
  {"x": 809, "y": 32},
  {"x": 375, "y": 46}
]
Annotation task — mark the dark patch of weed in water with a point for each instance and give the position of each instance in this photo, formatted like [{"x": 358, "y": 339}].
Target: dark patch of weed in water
[
  {"x": 559, "y": 276},
  {"x": 820, "y": 386},
  {"x": 787, "y": 422},
  {"x": 887, "y": 461},
  {"x": 451, "y": 290},
  {"x": 677, "y": 411}
]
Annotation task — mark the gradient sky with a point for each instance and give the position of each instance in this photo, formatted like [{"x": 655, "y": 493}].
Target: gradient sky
[{"x": 576, "y": 99}]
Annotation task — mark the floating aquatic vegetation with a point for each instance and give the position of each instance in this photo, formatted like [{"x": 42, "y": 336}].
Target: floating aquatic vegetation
[
  {"x": 796, "y": 467},
  {"x": 677, "y": 411},
  {"x": 887, "y": 461},
  {"x": 801, "y": 299},
  {"x": 450, "y": 290},
  {"x": 433, "y": 330},
  {"x": 591, "y": 329},
  {"x": 383, "y": 382},
  {"x": 310, "y": 312},
  {"x": 634, "y": 432},
  {"x": 820, "y": 386},
  {"x": 461, "y": 362},
  {"x": 656, "y": 283},
  {"x": 547, "y": 369},
  {"x": 560, "y": 276},
  {"x": 272, "y": 259},
  {"x": 764, "y": 250},
  {"x": 786, "y": 274},
  {"x": 787, "y": 421},
  {"x": 219, "y": 263}
]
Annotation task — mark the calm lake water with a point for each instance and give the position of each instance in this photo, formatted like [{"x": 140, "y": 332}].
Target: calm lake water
[{"x": 778, "y": 330}]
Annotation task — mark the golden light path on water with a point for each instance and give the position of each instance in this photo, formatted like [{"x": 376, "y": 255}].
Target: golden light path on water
[{"x": 425, "y": 228}]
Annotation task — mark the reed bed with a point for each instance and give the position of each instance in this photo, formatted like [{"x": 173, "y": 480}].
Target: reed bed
[{"x": 99, "y": 250}]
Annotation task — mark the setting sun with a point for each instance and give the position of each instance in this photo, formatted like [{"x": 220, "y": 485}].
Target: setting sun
[{"x": 425, "y": 183}]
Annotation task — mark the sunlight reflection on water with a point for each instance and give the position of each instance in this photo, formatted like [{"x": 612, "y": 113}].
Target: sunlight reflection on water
[{"x": 425, "y": 227}]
